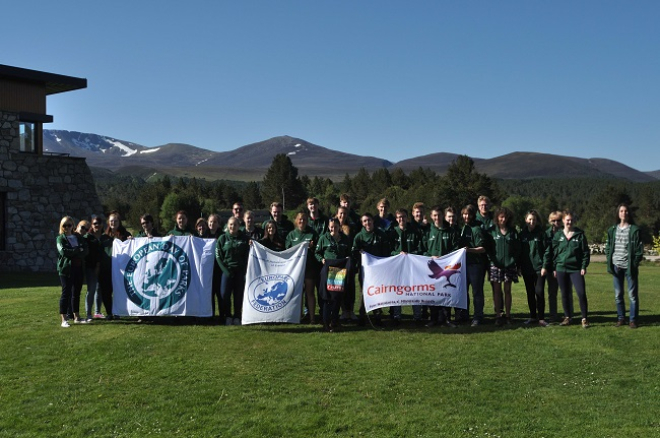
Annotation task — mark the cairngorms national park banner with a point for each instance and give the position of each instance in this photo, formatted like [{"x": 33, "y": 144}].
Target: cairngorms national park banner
[
  {"x": 408, "y": 279},
  {"x": 162, "y": 276},
  {"x": 274, "y": 284}
]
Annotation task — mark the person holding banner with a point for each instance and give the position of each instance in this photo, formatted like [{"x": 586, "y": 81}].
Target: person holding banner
[
  {"x": 405, "y": 240},
  {"x": 231, "y": 254},
  {"x": 201, "y": 228},
  {"x": 333, "y": 252},
  {"x": 148, "y": 229},
  {"x": 504, "y": 254},
  {"x": 272, "y": 239},
  {"x": 215, "y": 231},
  {"x": 71, "y": 253},
  {"x": 442, "y": 241},
  {"x": 349, "y": 229},
  {"x": 472, "y": 239},
  {"x": 374, "y": 241},
  {"x": 304, "y": 233},
  {"x": 181, "y": 227},
  {"x": 115, "y": 230}
]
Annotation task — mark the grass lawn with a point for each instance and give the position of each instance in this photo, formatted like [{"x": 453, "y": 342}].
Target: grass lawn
[{"x": 128, "y": 379}]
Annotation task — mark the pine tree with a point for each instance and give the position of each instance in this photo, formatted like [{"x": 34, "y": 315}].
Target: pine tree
[{"x": 281, "y": 183}]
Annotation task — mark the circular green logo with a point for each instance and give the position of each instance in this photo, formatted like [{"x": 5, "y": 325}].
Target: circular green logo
[{"x": 157, "y": 277}]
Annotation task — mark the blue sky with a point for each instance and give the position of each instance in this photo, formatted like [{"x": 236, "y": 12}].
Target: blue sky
[{"x": 390, "y": 79}]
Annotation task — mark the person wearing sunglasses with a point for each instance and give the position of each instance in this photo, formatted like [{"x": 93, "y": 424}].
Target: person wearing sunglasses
[
  {"x": 91, "y": 267},
  {"x": 71, "y": 253},
  {"x": 148, "y": 228}
]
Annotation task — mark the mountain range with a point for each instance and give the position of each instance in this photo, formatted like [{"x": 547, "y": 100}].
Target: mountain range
[{"x": 250, "y": 162}]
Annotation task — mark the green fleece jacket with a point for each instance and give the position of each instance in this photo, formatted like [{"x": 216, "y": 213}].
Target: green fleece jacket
[
  {"x": 408, "y": 240},
  {"x": 66, "y": 253},
  {"x": 441, "y": 241},
  {"x": 504, "y": 250},
  {"x": 376, "y": 243},
  {"x": 297, "y": 237},
  {"x": 570, "y": 255},
  {"x": 329, "y": 248},
  {"x": 534, "y": 246},
  {"x": 635, "y": 249},
  {"x": 176, "y": 231},
  {"x": 472, "y": 236},
  {"x": 231, "y": 253}
]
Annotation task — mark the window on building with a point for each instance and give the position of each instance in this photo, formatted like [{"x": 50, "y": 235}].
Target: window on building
[{"x": 27, "y": 137}]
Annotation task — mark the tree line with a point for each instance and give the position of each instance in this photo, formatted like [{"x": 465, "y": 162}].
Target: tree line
[{"x": 592, "y": 200}]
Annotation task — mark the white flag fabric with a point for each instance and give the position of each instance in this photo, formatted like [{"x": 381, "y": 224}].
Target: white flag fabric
[
  {"x": 408, "y": 279},
  {"x": 163, "y": 276},
  {"x": 274, "y": 284}
]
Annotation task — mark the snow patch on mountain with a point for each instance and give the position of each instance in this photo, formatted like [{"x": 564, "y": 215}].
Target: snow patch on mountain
[
  {"x": 203, "y": 161},
  {"x": 149, "y": 151},
  {"x": 119, "y": 145}
]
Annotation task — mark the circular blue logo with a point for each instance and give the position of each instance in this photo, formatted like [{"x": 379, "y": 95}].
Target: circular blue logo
[
  {"x": 157, "y": 276},
  {"x": 270, "y": 293}
]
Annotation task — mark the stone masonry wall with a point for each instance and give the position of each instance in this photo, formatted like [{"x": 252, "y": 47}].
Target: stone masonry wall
[{"x": 40, "y": 191}]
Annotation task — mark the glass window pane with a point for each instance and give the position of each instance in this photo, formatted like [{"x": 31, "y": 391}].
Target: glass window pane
[{"x": 26, "y": 135}]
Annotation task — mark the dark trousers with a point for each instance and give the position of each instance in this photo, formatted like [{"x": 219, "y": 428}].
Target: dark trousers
[
  {"x": 331, "y": 310},
  {"x": 535, "y": 294},
  {"x": 216, "y": 288},
  {"x": 105, "y": 284},
  {"x": 71, "y": 287},
  {"x": 232, "y": 286},
  {"x": 567, "y": 281},
  {"x": 440, "y": 314}
]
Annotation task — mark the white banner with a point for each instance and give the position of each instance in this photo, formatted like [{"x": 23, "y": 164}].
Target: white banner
[
  {"x": 274, "y": 284},
  {"x": 162, "y": 276},
  {"x": 408, "y": 279}
]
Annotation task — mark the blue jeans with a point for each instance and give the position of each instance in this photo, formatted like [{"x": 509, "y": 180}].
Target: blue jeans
[
  {"x": 93, "y": 294},
  {"x": 232, "y": 286},
  {"x": 619, "y": 275},
  {"x": 475, "y": 275}
]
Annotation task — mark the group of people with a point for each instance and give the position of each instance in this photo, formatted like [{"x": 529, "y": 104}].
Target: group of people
[{"x": 557, "y": 256}]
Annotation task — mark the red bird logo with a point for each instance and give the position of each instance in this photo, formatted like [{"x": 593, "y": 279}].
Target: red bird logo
[{"x": 447, "y": 272}]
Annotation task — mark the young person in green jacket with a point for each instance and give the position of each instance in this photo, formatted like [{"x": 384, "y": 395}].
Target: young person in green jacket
[
  {"x": 181, "y": 228},
  {"x": 91, "y": 268},
  {"x": 71, "y": 253},
  {"x": 284, "y": 225},
  {"x": 532, "y": 267},
  {"x": 405, "y": 240},
  {"x": 333, "y": 246},
  {"x": 231, "y": 254},
  {"x": 114, "y": 230},
  {"x": 504, "y": 253},
  {"x": 317, "y": 220},
  {"x": 304, "y": 233},
  {"x": 148, "y": 228},
  {"x": 556, "y": 225},
  {"x": 350, "y": 229},
  {"x": 472, "y": 239},
  {"x": 377, "y": 243},
  {"x": 624, "y": 251},
  {"x": 442, "y": 241},
  {"x": 570, "y": 258}
]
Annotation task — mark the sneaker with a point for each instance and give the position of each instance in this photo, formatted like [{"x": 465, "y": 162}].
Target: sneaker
[
  {"x": 566, "y": 321},
  {"x": 620, "y": 322},
  {"x": 449, "y": 324},
  {"x": 509, "y": 321},
  {"x": 542, "y": 323},
  {"x": 99, "y": 316},
  {"x": 498, "y": 321},
  {"x": 530, "y": 321},
  {"x": 353, "y": 316},
  {"x": 65, "y": 324},
  {"x": 80, "y": 321},
  {"x": 237, "y": 321},
  {"x": 475, "y": 323},
  {"x": 585, "y": 323},
  {"x": 229, "y": 320},
  {"x": 633, "y": 325}
]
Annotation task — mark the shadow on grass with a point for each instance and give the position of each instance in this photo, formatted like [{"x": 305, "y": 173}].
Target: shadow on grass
[{"x": 16, "y": 280}]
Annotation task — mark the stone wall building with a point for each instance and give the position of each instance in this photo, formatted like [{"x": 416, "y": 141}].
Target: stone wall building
[{"x": 36, "y": 190}]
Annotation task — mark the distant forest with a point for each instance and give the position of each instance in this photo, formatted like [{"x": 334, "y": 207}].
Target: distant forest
[{"x": 592, "y": 200}]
